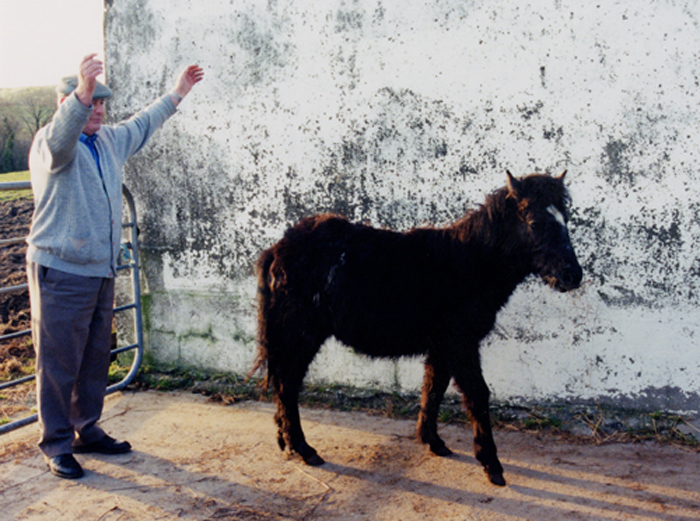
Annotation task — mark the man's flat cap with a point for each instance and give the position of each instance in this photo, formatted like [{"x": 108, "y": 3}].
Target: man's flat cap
[{"x": 70, "y": 83}]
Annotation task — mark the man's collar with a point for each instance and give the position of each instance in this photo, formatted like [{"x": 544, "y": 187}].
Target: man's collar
[{"x": 88, "y": 140}]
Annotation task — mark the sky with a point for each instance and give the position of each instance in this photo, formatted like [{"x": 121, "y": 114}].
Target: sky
[{"x": 42, "y": 41}]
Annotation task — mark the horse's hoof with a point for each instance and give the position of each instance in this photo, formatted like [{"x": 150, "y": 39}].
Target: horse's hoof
[
  {"x": 314, "y": 460},
  {"x": 441, "y": 450},
  {"x": 497, "y": 479}
]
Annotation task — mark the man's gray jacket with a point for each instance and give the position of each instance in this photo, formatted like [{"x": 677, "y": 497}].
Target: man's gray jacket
[{"x": 77, "y": 219}]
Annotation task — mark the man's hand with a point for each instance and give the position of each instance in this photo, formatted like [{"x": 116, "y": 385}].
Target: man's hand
[
  {"x": 90, "y": 69},
  {"x": 192, "y": 75}
]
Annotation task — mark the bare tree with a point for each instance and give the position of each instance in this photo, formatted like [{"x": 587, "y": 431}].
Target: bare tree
[
  {"x": 22, "y": 113},
  {"x": 8, "y": 142},
  {"x": 37, "y": 107}
]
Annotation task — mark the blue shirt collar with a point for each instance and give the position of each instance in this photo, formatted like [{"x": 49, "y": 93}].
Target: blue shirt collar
[{"x": 89, "y": 141}]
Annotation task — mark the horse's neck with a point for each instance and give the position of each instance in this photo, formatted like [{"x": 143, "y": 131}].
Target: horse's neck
[{"x": 491, "y": 235}]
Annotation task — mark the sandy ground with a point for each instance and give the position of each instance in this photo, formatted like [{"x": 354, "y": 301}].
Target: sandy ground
[{"x": 193, "y": 459}]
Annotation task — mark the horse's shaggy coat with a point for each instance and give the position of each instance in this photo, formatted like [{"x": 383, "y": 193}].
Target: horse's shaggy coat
[{"x": 432, "y": 291}]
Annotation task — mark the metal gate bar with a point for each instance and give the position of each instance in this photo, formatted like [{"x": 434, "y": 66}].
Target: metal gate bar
[{"x": 133, "y": 265}]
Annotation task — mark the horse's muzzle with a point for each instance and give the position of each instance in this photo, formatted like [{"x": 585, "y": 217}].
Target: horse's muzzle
[{"x": 569, "y": 278}]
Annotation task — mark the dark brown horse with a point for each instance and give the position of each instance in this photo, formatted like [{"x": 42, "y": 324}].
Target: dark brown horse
[{"x": 430, "y": 291}]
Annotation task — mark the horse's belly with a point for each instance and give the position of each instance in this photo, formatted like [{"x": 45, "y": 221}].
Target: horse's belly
[{"x": 383, "y": 344}]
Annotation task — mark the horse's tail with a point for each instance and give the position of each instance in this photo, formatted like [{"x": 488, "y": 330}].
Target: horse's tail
[{"x": 262, "y": 358}]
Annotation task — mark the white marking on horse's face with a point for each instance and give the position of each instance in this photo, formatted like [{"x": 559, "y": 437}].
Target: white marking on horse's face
[{"x": 557, "y": 215}]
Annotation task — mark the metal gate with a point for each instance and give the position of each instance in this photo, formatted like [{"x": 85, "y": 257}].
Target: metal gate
[{"x": 129, "y": 263}]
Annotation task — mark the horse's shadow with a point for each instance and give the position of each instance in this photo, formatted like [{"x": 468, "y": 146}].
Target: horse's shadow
[{"x": 552, "y": 493}]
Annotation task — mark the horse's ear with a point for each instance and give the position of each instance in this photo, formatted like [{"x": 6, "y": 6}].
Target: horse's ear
[
  {"x": 561, "y": 176},
  {"x": 513, "y": 184}
]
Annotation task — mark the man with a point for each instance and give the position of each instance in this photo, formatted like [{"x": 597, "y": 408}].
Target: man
[{"x": 76, "y": 172}]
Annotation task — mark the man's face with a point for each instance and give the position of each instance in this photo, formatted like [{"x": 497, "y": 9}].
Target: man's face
[{"x": 96, "y": 118}]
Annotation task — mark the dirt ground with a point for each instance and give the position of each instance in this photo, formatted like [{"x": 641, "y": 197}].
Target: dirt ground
[
  {"x": 15, "y": 217},
  {"x": 16, "y": 354},
  {"x": 194, "y": 459}
]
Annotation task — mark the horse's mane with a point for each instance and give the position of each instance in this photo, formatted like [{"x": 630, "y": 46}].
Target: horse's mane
[{"x": 486, "y": 220}]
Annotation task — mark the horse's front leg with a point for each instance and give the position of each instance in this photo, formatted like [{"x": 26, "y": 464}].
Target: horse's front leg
[
  {"x": 435, "y": 382},
  {"x": 476, "y": 393}
]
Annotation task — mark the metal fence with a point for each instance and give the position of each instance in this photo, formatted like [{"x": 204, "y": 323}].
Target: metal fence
[{"x": 129, "y": 265}]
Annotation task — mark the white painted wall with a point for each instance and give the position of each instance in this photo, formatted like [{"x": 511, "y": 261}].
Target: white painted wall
[{"x": 407, "y": 112}]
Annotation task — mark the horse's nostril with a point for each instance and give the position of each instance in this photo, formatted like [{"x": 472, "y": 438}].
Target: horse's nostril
[{"x": 573, "y": 276}]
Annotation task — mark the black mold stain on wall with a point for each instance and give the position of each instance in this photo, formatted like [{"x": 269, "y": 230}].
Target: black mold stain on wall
[
  {"x": 193, "y": 217},
  {"x": 132, "y": 32},
  {"x": 347, "y": 20},
  {"x": 649, "y": 270},
  {"x": 666, "y": 398},
  {"x": 377, "y": 171},
  {"x": 616, "y": 168},
  {"x": 264, "y": 51}
]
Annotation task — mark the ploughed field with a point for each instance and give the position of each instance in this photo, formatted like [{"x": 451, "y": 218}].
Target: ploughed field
[{"x": 17, "y": 354}]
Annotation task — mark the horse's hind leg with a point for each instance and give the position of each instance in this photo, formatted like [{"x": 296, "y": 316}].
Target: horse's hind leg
[
  {"x": 289, "y": 376},
  {"x": 435, "y": 382}
]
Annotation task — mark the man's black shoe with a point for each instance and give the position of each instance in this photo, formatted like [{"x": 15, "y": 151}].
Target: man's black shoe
[
  {"x": 106, "y": 445},
  {"x": 64, "y": 466}
]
